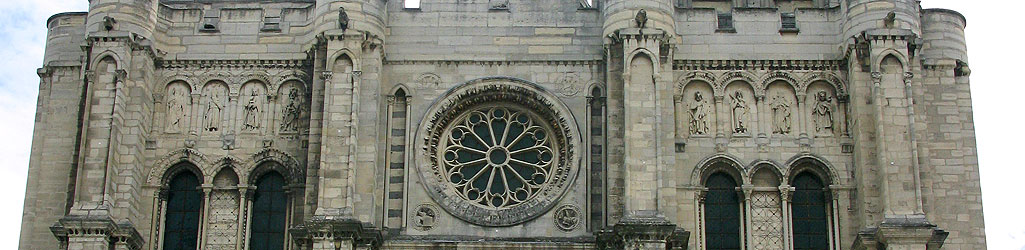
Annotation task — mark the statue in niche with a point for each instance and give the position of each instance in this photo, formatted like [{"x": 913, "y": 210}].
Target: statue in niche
[
  {"x": 700, "y": 111},
  {"x": 292, "y": 111},
  {"x": 175, "y": 110},
  {"x": 212, "y": 116},
  {"x": 740, "y": 111},
  {"x": 781, "y": 122},
  {"x": 823, "y": 112},
  {"x": 251, "y": 113}
]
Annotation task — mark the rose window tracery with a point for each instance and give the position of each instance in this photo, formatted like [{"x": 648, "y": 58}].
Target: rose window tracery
[
  {"x": 497, "y": 151},
  {"x": 498, "y": 157}
]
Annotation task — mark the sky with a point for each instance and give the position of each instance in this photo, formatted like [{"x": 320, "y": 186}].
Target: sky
[{"x": 992, "y": 45}]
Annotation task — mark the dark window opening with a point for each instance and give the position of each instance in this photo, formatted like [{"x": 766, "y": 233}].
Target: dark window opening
[
  {"x": 184, "y": 202},
  {"x": 811, "y": 230},
  {"x": 269, "y": 213},
  {"x": 722, "y": 213}
]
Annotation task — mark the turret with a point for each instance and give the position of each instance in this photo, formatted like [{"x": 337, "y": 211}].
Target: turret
[
  {"x": 363, "y": 15},
  {"x": 134, "y": 16},
  {"x": 863, "y": 15},
  {"x": 943, "y": 36},
  {"x": 621, "y": 14}
]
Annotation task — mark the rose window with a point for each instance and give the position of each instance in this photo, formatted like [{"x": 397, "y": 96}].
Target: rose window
[
  {"x": 498, "y": 157},
  {"x": 497, "y": 151}
]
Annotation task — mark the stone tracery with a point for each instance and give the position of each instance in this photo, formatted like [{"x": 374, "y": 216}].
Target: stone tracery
[{"x": 461, "y": 122}]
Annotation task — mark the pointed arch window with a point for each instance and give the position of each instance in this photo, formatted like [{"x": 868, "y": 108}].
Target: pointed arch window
[
  {"x": 809, "y": 213},
  {"x": 184, "y": 203},
  {"x": 269, "y": 214},
  {"x": 722, "y": 213}
]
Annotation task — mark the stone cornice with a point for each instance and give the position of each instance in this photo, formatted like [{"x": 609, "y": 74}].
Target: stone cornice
[
  {"x": 759, "y": 65},
  {"x": 496, "y": 62},
  {"x": 130, "y": 40},
  {"x": 231, "y": 64}
]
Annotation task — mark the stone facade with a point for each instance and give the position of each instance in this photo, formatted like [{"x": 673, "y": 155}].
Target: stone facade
[{"x": 515, "y": 124}]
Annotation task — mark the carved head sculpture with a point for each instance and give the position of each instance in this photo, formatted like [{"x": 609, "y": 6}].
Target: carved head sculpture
[
  {"x": 739, "y": 96},
  {"x": 641, "y": 18},
  {"x": 823, "y": 96},
  {"x": 698, "y": 97}
]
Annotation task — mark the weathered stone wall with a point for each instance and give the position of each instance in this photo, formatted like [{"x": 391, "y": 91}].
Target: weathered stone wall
[
  {"x": 882, "y": 116},
  {"x": 52, "y": 164}
]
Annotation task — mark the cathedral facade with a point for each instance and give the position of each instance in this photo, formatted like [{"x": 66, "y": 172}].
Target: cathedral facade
[{"x": 504, "y": 124}]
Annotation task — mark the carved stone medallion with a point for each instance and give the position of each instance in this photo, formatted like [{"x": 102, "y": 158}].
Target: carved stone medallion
[
  {"x": 567, "y": 217},
  {"x": 425, "y": 217},
  {"x": 569, "y": 84},
  {"x": 498, "y": 151}
]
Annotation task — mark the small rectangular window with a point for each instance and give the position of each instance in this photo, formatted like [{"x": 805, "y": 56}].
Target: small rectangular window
[
  {"x": 725, "y": 21},
  {"x": 412, "y": 4},
  {"x": 788, "y": 22}
]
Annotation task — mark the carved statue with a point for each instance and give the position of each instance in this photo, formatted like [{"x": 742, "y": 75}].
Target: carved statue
[
  {"x": 781, "y": 123},
  {"x": 890, "y": 19},
  {"x": 108, "y": 23},
  {"x": 700, "y": 111},
  {"x": 962, "y": 69},
  {"x": 641, "y": 19},
  {"x": 251, "y": 114},
  {"x": 740, "y": 111},
  {"x": 343, "y": 19},
  {"x": 293, "y": 110},
  {"x": 823, "y": 113},
  {"x": 175, "y": 110},
  {"x": 212, "y": 117}
]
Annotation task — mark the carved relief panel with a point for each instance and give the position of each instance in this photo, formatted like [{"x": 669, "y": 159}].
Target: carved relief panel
[
  {"x": 178, "y": 104},
  {"x": 782, "y": 105},
  {"x": 252, "y": 107},
  {"x": 822, "y": 103},
  {"x": 695, "y": 109},
  {"x": 291, "y": 101},
  {"x": 215, "y": 100},
  {"x": 740, "y": 107}
]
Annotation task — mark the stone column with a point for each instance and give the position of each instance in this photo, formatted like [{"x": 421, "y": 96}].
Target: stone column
[{"x": 785, "y": 196}]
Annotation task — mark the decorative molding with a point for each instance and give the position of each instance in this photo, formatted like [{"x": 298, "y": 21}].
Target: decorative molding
[
  {"x": 231, "y": 64},
  {"x": 497, "y": 62},
  {"x": 792, "y": 65}
]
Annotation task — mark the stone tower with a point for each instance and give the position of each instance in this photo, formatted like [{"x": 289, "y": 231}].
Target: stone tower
[{"x": 512, "y": 124}]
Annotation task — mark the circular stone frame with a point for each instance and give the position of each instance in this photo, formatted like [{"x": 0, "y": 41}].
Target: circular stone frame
[{"x": 481, "y": 92}]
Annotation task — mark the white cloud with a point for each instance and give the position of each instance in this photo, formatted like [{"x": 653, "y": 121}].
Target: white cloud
[{"x": 990, "y": 33}]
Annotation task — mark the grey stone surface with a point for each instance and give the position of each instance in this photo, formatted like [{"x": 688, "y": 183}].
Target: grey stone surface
[{"x": 880, "y": 111}]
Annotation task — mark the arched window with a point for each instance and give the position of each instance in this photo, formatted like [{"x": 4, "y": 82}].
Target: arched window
[
  {"x": 722, "y": 213},
  {"x": 184, "y": 202},
  {"x": 811, "y": 229},
  {"x": 269, "y": 213}
]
